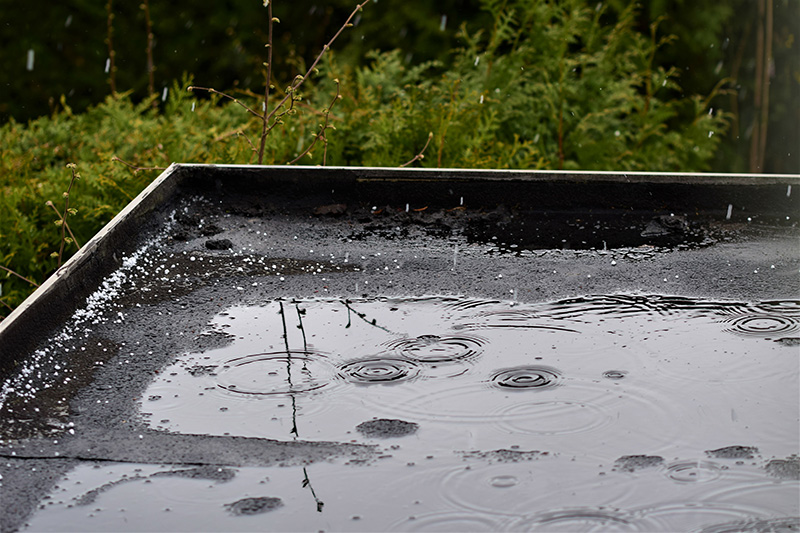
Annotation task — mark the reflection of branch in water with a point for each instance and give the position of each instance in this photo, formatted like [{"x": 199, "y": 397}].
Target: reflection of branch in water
[
  {"x": 294, "y": 417},
  {"x": 307, "y": 483},
  {"x": 285, "y": 333},
  {"x": 300, "y": 327},
  {"x": 289, "y": 371},
  {"x": 362, "y": 316}
]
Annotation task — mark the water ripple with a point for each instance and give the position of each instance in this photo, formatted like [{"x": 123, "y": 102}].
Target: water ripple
[
  {"x": 438, "y": 349},
  {"x": 762, "y": 325},
  {"x": 276, "y": 373},
  {"x": 379, "y": 370},
  {"x": 526, "y": 378}
]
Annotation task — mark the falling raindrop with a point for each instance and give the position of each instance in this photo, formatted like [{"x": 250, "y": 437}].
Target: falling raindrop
[
  {"x": 443, "y": 23},
  {"x": 193, "y": 104},
  {"x": 164, "y": 94},
  {"x": 477, "y": 59},
  {"x": 730, "y": 212},
  {"x": 108, "y": 64},
  {"x": 788, "y": 191},
  {"x": 29, "y": 66},
  {"x": 68, "y": 21},
  {"x": 481, "y": 98}
]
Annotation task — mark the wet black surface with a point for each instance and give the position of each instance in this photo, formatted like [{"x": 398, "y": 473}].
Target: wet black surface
[{"x": 214, "y": 250}]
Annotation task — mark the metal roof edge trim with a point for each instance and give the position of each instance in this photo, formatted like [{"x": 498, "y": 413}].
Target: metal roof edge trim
[
  {"x": 383, "y": 173},
  {"x": 83, "y": 255}
]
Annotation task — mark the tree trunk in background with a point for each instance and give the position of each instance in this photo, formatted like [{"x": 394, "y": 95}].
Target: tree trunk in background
[{"x": 758, "y": 137}]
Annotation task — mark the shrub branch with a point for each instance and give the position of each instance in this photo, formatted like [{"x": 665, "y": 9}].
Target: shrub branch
[
  {"x": 421, "y": 154},
  {"x": 273, "y": 117},
  {"x": 321, "y": 136},
  {"x": 19, "y": 276}
]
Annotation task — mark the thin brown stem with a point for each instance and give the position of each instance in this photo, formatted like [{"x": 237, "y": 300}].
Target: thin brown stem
[
  {"x": 23, "y": 278},
  {"x": 299, "y": 80},
  {"x": 112, "y": 69},
  {"x": 134, "y": 167},
  {"x": 421, "y": 154},
  {"x": 757, "y": 95},
  {"x": 267, "y": 86},
  {"x": 224, "y": 95},
  {"x": 52, "y": 205},
  {"x": 238, "y": 133},
  {"x": 736, "y": 65},
  {"x": 323, "y": 127},
  {"x": 765, "y": 81},
  {"x": 63, "y": 224},
  {"x": 151, "y": 68},
  {"x": 2, "y": 301}
]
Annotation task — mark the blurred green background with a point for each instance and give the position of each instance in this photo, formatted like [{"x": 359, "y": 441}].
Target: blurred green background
[{"x": 222, "y": 44}]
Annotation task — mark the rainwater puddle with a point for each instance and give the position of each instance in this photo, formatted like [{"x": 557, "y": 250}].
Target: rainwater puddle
[{"x": 603, "y": 413}]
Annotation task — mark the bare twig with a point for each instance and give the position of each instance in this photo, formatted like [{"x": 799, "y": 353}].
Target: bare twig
[
  {"x": 270, "y": 118},
  {"x": 299, "y": 80},
  {"x": 112, "y": 69},
  {"x": 19, "y": 276},
  {"x": 150, "y": 65},
  {"x": 761, "y": 73},
  {"x": 52, "y": 205},
  {"x": 134, "y": 167},
  {"x": 421, "y": 154},
  {"x": 267, "y": 86},
  {"x": 765, "y": 81},
  {"x": 322, "y": 128},
  {"x": 224, "y": 95},
  {"x": 2, "y": 301},
  {"x": 238, "y": 133},
  {"x": 63, "y": 222}
]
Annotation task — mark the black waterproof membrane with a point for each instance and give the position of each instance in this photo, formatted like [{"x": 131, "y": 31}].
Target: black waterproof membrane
[{"x": 308, "y": 349}]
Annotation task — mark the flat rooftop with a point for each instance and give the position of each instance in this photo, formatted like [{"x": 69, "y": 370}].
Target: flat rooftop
[{"x": 265, "y": 292}]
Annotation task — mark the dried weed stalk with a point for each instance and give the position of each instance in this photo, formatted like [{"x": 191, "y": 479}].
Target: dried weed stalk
[{"x": 271, "y": 116}]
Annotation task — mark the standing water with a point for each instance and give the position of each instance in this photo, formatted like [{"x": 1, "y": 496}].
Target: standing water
[{"x": 602, "y": 413}]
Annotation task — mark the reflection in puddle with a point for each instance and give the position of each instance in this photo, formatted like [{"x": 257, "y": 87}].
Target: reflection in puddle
[
  {"x": 286, "y": 373},
  {"x": 602, "y": 413}
]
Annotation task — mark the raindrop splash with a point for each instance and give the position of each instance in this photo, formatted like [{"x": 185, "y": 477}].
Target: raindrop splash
[
  {"x": 526, "y": 378},
  {"x": 379, "y": 370},
  {"x": 436, "y": 349}
]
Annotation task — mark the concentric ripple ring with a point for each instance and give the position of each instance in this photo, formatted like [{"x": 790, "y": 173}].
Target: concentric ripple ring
[
  {"x": 275, "y": 373},
  {"x": 378, "y": 370},
  {"x": 762, "y": 325},
  {"x": 526, "y": 378},
  {"x": 436, "y": 349}
]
